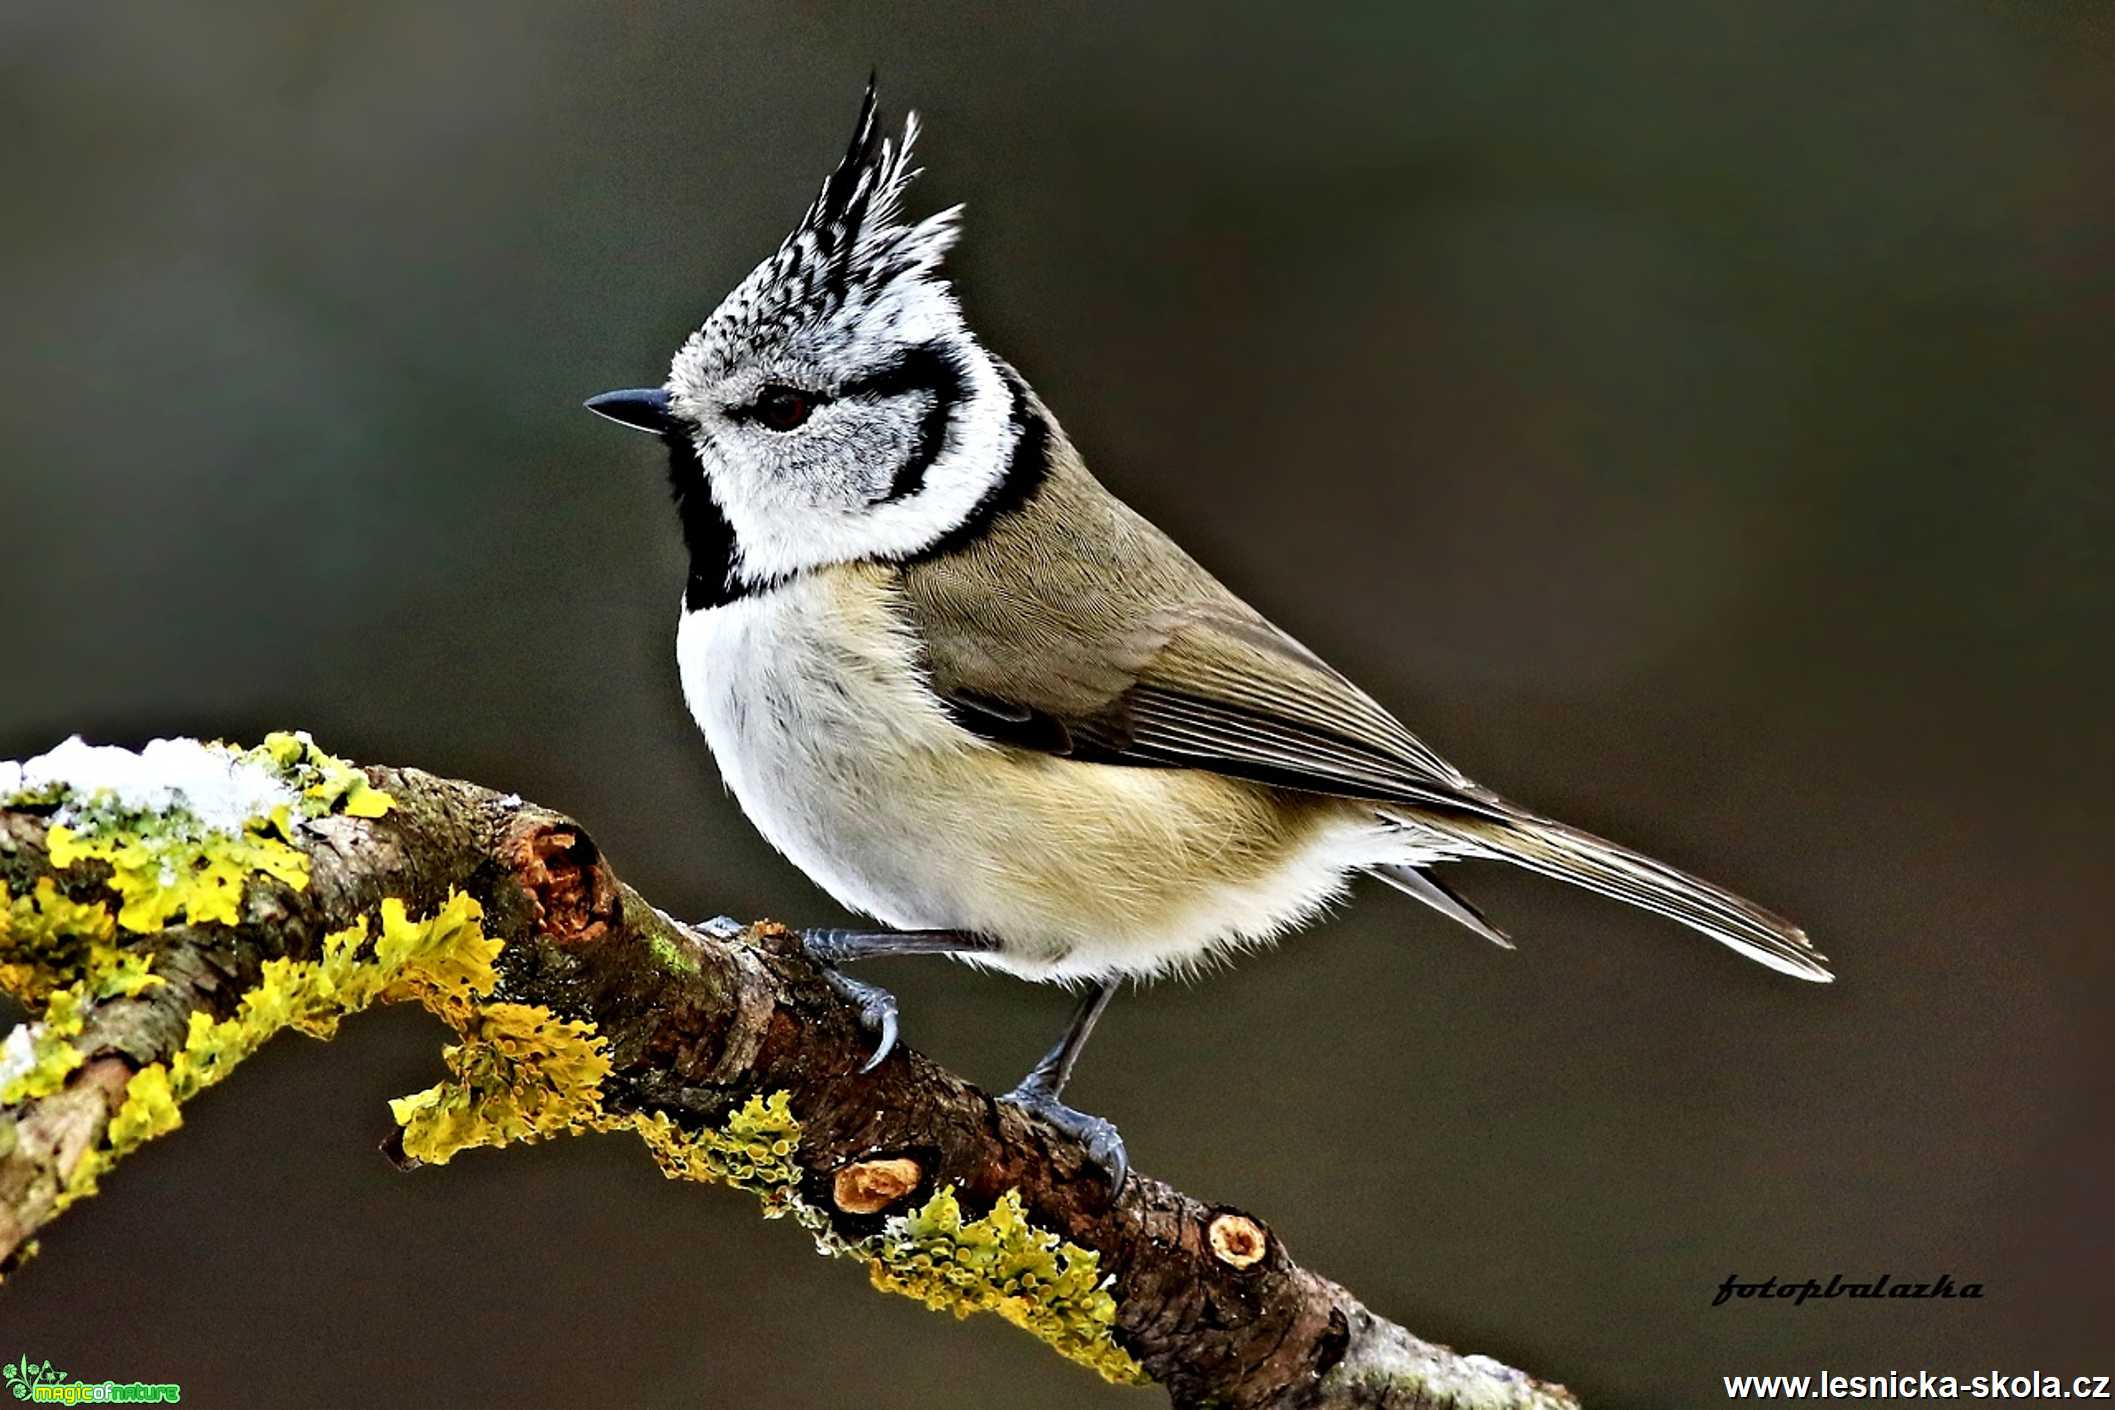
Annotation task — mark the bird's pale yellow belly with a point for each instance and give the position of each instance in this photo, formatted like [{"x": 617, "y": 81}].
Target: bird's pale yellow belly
[{"x": 819, "y": 717}]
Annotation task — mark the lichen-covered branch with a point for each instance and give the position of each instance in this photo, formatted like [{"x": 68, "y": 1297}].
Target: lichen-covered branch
[{"x": 165, "y": 913}]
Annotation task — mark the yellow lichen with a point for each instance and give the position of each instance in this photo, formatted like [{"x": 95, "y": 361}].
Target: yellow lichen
[
  {"x": 754, "y": 1152},
  {"x": 47, "y": 938},
  {"x": 167, "y": 864},
  {"x": 164, "y": 868},
  {"x": 444, "y": 960},
  {"x": 999, "y": 1263},
  {"x": 52, "y": 1057},
  {"x": 520, "y": 1074},
  {"x": 149, "y": 1110},
  {"x": 56, "y": 1058},
  {"x": 329, "y": 783},
  {"x": 1002, "y": 1263},
  {"x": 163, "y": 864},
  {"x": 84, "y": 1180},
  {"x": 122, "y": 975}
]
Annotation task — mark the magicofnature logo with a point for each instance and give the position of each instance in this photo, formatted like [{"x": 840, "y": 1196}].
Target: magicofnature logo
[{"x": 45, "y": 1384}]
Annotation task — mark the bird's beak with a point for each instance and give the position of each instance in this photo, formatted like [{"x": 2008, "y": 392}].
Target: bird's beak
[{"x": 642, "y": 409}]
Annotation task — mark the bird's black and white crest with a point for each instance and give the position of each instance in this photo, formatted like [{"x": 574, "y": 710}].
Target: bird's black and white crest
[
  {"x": 847, "y": 252},
  {"x": 837, "y": 405}
]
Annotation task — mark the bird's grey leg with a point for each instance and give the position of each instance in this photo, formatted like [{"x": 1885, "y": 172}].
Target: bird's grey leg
[
  {"x": 833, "y": 947},
  {"x": 876, "y": 1005},
  {"x": 1038, "y": 1092}
]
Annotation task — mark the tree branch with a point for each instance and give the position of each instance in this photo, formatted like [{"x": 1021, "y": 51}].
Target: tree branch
[{"x": 582, "y": 1007}]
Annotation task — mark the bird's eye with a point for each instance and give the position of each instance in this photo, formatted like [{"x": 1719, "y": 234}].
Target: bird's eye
[{"x": 783, "y": 408}]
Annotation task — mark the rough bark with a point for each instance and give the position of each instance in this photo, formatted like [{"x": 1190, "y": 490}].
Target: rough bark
[{"x": 698, "y": 1021}]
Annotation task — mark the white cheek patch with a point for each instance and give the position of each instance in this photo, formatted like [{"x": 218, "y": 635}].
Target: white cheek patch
[{"x": 826, "y": 500}]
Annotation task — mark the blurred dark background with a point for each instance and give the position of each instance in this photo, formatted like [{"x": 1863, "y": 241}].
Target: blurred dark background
[{"x": 1695, "y": 417}]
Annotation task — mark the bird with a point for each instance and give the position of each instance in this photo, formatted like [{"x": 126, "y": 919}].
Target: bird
[{"x": 981, "y": 701}]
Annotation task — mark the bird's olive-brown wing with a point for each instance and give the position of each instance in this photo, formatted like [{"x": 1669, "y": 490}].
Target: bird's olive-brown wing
[{"x": 1074, "y": 627}]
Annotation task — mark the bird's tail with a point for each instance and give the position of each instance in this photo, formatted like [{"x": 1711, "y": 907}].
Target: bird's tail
[{"x": 1569, "y": 854}]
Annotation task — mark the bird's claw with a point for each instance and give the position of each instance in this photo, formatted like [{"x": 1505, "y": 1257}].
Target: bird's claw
[
  {"x": 877, "y": 1014},
  {"x": 876, "y": 1005},
  {"x": 1103, "y": 1143}
]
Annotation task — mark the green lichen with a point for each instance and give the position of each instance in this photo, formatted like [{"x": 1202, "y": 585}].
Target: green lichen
[{"x": 671, "y": 955}]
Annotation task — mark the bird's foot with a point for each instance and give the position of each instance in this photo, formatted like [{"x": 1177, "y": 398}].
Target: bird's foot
[
  {"x": 876, "y": 1005},
  {"x": 1105, "y": 1146}
]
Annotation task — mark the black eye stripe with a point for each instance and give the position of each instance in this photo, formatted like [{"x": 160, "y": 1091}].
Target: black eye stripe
[
  {"x": 929, "y": 367},
  {"x": 1026, "y": 469},
  {"x": 936, "y": 370}
]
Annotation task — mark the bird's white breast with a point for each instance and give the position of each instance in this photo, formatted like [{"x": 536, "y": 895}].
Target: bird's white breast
[
  {"x": 814, "y": 702},
  {"x": 808, "y": 697}
]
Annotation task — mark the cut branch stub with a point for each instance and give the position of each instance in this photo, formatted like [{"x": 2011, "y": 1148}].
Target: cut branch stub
[
  {"x": 870, "y": 1186},
  {"x": 562, "y": 871},
  {"x": 1237, "y": 1240}
]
